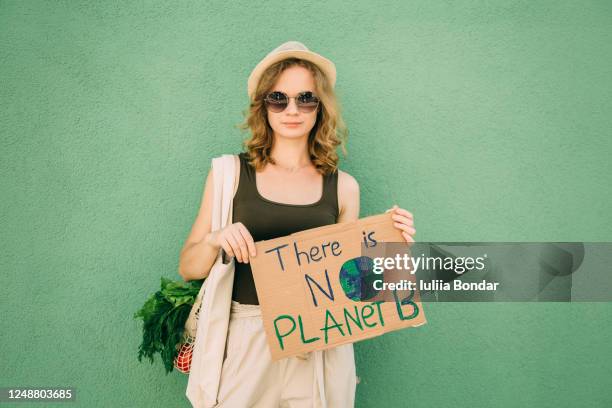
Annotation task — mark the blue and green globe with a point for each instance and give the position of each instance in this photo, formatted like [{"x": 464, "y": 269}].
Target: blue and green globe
[{"x": 357, "y": 278}]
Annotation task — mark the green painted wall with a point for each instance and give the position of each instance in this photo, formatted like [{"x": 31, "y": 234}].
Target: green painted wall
[{"x": 490, "y": 121}]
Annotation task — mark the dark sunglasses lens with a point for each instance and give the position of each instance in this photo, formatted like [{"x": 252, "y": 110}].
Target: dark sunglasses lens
[
  {"x": 276, "y": 101},
  {"x": 307, "y": 102}
]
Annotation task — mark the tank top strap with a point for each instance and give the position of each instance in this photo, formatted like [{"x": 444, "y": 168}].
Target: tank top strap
[
  {"x": 330, "y": 191},
  {"x": 247, "y": 187},
  {"x": 244, "y": 167}
]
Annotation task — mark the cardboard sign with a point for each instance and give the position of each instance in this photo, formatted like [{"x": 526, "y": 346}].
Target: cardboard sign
[{"x": 315, "y": 293}]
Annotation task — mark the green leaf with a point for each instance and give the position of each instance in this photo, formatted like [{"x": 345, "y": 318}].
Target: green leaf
[{"x": 164, "y": 315}]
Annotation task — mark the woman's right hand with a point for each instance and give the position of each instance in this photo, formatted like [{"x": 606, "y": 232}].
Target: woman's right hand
[{"x": 235, "y": 240}]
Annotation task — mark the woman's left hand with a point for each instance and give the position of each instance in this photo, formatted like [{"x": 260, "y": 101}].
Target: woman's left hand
[{"x": 404, "y": 221}]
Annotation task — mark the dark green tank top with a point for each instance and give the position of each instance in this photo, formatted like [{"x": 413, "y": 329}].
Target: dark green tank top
[{"x": 266, "y": 219}]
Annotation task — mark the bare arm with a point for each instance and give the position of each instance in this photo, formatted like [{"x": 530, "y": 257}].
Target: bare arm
[
  {"x": 198, "y": 253},
  {"x": 202, "y": 245},
  {"x": 348, "y": 197}
]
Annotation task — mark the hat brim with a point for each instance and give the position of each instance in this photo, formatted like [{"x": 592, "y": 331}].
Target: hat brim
[{"x": 328, "y": 67}]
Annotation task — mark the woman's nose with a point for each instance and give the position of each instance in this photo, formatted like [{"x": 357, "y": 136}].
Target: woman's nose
[{"x": 292, "y": 107}]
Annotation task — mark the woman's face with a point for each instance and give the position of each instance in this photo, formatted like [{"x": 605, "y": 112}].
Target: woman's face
[{"x": 292, "y": 81}]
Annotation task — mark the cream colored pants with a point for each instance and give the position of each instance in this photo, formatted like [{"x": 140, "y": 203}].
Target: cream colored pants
[{"x": 249, "y": 377}]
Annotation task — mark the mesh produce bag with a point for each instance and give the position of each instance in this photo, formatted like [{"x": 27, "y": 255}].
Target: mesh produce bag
[{"x": 182, "y": 362}]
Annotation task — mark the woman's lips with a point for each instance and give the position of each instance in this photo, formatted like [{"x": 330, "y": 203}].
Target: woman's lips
[{"x": 292, "y": 124}]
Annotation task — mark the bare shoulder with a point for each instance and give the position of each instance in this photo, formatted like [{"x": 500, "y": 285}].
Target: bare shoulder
[
  {"x": 348, "y": 197},
  {"x": 347, "y": 184}
]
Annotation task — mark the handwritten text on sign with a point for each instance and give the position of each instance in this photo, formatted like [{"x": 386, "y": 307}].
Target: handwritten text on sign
[{"x": 315, "y": 287}]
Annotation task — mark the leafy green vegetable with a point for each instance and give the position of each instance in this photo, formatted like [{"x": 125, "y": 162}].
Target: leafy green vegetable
[{"x": 164, "y": 315}]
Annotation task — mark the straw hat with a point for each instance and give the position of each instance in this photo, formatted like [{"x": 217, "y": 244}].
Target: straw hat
[{"x": 287, "y": 50}]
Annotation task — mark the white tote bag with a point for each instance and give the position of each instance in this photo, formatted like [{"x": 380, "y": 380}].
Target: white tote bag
[{"x": 213, "y": 320}]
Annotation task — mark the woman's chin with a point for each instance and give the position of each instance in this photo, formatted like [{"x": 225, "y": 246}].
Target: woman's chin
[{"x": 296, "y": 134}]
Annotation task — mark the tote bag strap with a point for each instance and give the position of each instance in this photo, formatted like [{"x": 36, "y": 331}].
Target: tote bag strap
[
  {"x": 224, "y": 168},
  {"x": 223, "y": 187},
  {"x": 213, "y": 321}
]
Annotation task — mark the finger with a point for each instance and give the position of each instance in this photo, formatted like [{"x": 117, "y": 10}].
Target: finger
[
  {"x": 407, "y": 237},
  {"x": 242, "y": 248},
  {"x": 231, "y": 249},
  {"x": 248, "y": 238},
  {"x": 392, "y": 208},
  {"x": 227, "y": 248},
  {"x": 406, "y": 213},
  {"x": 403, "y": 219},
  {"x": 235, "y": 247},
  {"x": 405, "y": 228}
]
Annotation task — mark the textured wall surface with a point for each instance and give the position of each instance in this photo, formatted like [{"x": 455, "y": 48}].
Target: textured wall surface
[{"x": 490, "y": 121}]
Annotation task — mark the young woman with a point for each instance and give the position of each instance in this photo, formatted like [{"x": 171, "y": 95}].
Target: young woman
[{"x": 287, "y": 181}]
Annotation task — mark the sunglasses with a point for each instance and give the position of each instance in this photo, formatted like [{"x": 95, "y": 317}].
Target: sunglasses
[{"x": 278, "y": 101}]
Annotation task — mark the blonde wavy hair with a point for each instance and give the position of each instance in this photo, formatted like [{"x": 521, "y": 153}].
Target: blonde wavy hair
[{"x": 328, "y": 132}]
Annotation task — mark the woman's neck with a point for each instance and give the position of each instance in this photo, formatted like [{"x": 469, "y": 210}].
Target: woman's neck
[{"x": 290, "y": 155}]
